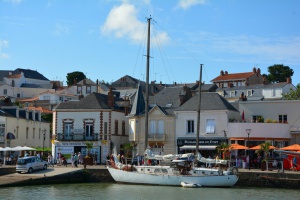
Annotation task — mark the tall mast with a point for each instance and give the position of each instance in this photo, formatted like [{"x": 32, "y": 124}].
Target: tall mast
[
  {"x": 198, "y": 113},
  {"x": 147, "y": 85}
]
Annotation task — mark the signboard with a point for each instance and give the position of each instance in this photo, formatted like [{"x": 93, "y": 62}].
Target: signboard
[
  {"x": 181, "y": 142},
  {"x": 65, "y": 151}
]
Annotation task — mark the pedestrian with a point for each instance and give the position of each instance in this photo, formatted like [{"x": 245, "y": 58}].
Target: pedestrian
[
  {"x": 80, "y": 158},
  {"x": 72, "y": 160},
  {"x": 75, "y": 160},
  {"x": 95, "y": 159}
]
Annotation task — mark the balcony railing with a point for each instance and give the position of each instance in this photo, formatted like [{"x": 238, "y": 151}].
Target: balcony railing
[
  {"x": 157, "y": 137},
  {"x": 77, "y": 137}
]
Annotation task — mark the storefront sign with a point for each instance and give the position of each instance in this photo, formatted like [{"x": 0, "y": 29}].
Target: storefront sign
[
  {"x": 75, "y": 144},
  {"x": 181, "y": 142}
]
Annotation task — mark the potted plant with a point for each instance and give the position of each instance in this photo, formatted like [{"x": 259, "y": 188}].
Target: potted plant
[
  {"x": 88, "y": 159},
  {"x": 265, "y": 147}
]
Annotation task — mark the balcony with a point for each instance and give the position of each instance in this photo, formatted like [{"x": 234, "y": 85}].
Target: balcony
[
  {"x": 156, "y": 137},
  {"x": 77, "y": 137}
]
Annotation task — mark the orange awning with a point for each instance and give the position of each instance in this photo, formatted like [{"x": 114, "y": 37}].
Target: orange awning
[
  {"x": 237, "y": 147},
  {"x": 258, "y": 147},
  {"x": 294, "y": 147}
]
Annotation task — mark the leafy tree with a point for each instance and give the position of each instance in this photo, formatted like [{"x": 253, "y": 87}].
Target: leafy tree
[
  {"x": 279, "y": 73},
  {"x": 265, "y": 147},
  {"x": 128, "y": 148},
  {"x": 78, "y": 76},
  {"x": 223, "y": 148},
  {"x": 293, "y": 94}
]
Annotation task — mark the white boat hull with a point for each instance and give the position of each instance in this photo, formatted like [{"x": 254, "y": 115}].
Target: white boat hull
[{"x": 175, "y": 180}]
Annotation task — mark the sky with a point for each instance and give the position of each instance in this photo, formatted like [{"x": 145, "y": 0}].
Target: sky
[{"x": 106, "y": 39}]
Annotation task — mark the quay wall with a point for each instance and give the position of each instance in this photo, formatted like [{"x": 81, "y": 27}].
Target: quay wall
[{"x": 246, "y": 179}]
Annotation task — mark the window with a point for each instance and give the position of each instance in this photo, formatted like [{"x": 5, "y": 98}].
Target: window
[
  {"x": 88, "y": 89},
  {"x": 89, "y": 129},
  {"x": 116, "y": 127},
  {"x": 249, "y": 93},
  {"x": 68, "y": 129},
  {"x": 161, "y": 127},
  {"x": 210, "y": 126},
  {"x": 27, "y": 129},
  {"x": 2, "y": 133},
  {"x": 105, "y": 131},
  {"x": 131, "y": 127},
  {"x": 5, "y": 91},
  {"x": 152, "y": 127},
  {"x": 190, "y": 126},
  {"x": 257, "y": 118},
  {"x": 79, "y": 89},
  {"x": 123, "y": 127},
  {"x": 282, "y": 118}
]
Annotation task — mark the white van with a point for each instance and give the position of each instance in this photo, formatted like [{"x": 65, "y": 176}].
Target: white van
[{"x": 30, "y": 164}]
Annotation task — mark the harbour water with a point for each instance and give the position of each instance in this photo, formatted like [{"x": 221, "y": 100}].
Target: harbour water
[{"x": 140, "y": 192}]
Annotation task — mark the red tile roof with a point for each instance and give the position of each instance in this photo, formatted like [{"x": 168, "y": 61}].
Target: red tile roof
[
  {"x": 43, "y": 110},
  {"x": 236, "y": 76},
  {"x": 14, "y": 76}
]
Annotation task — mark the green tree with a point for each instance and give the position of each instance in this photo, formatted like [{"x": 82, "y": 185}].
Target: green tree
[
  {"x": 223, "y": 148},
  {"x": 279, "y": 73},
  {"x": 128, "y": 148},
  {"x": 293, "y": 94},
  {"x": 265, "y": 147},
  {"x": 78, "y": 76}
]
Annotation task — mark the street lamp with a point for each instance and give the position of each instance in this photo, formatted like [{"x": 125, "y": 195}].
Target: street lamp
[{"x": 248, "y": 131}]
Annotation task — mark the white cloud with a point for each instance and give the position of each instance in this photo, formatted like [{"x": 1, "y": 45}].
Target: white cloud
[
  {"x": 246, "y": 47},
  {"x": 185, "y": 4},
  {"x": 3, "y": 44},
  {"x": 122, "y": 22},
  {"x": 14, "y": 1}
]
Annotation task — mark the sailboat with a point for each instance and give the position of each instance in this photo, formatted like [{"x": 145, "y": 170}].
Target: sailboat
[{"x": 178, "y": 173}]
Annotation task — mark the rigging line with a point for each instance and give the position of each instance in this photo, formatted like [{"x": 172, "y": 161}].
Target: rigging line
[
  {"x": 197, "y": 61},
  {"x": 289, "y": 132},
  {"x": 140, "y": 49},
  {"x": 162, "y": 57}
]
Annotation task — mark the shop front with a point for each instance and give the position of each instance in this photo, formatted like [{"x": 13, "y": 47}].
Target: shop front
[
  {"x": 68, "y": 148},
  {"x": 207, "y": 147}
]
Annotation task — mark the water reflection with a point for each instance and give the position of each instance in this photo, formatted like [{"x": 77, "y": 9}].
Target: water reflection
[{"x": 124, "y": 192}]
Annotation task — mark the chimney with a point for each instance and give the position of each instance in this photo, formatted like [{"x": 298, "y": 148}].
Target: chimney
[
  {"x": 84, "y": 81},
  {"x": 254, "y": 70},
  {"x": 97, "y": 83},
  {"x": 175, "y": 83},
  {"x": 264, "y": 81},
  {"x": 258, "y": 71},
  {"x": 222, "y": 73},
  {"x": 160, "y": 83},
  {"x": 247, "y": 82},
  {"x": 289, "y": 80},
  {"x": 110, "y": 98},
  {"x": 197, "y": 83},
  {"x": 226, "y": 72}
]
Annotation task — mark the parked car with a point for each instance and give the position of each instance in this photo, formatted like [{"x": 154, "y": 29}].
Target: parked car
[{"x": 30, "y": 164}]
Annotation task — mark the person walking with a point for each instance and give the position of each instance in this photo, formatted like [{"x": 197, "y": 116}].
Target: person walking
[{"x": 75, "y": 160}]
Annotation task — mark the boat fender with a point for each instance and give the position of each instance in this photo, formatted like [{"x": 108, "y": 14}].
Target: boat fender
[{"x": 220, "y": 172}]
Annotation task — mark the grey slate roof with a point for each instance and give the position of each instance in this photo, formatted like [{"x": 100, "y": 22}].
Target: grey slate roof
[
  {"x": 4, "y": 73},
  {"x": 30, "y": 74},
  {"x": 92, "y": 101},
  {"x": 138, "y": 106},
  {"x": 209, "y": 101},
  {"x": 32, "y": 85}
]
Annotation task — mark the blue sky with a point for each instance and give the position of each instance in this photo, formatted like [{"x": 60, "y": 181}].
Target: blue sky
[{"x": 105, "y": 39}]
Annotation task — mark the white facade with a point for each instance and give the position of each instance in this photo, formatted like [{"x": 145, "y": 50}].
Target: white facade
[
  {"x": 104, "y": 128},
  {"x": 213, "y": 128},
  {"x": 270, "y": 93},
  {"x": 283, "y": 111}
]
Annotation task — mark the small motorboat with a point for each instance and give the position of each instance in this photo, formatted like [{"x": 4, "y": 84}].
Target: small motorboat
[{"x": 190, "y": 185}]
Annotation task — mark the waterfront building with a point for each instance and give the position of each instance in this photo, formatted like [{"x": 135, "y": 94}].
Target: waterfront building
[{"x": 97, "y": 118}]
